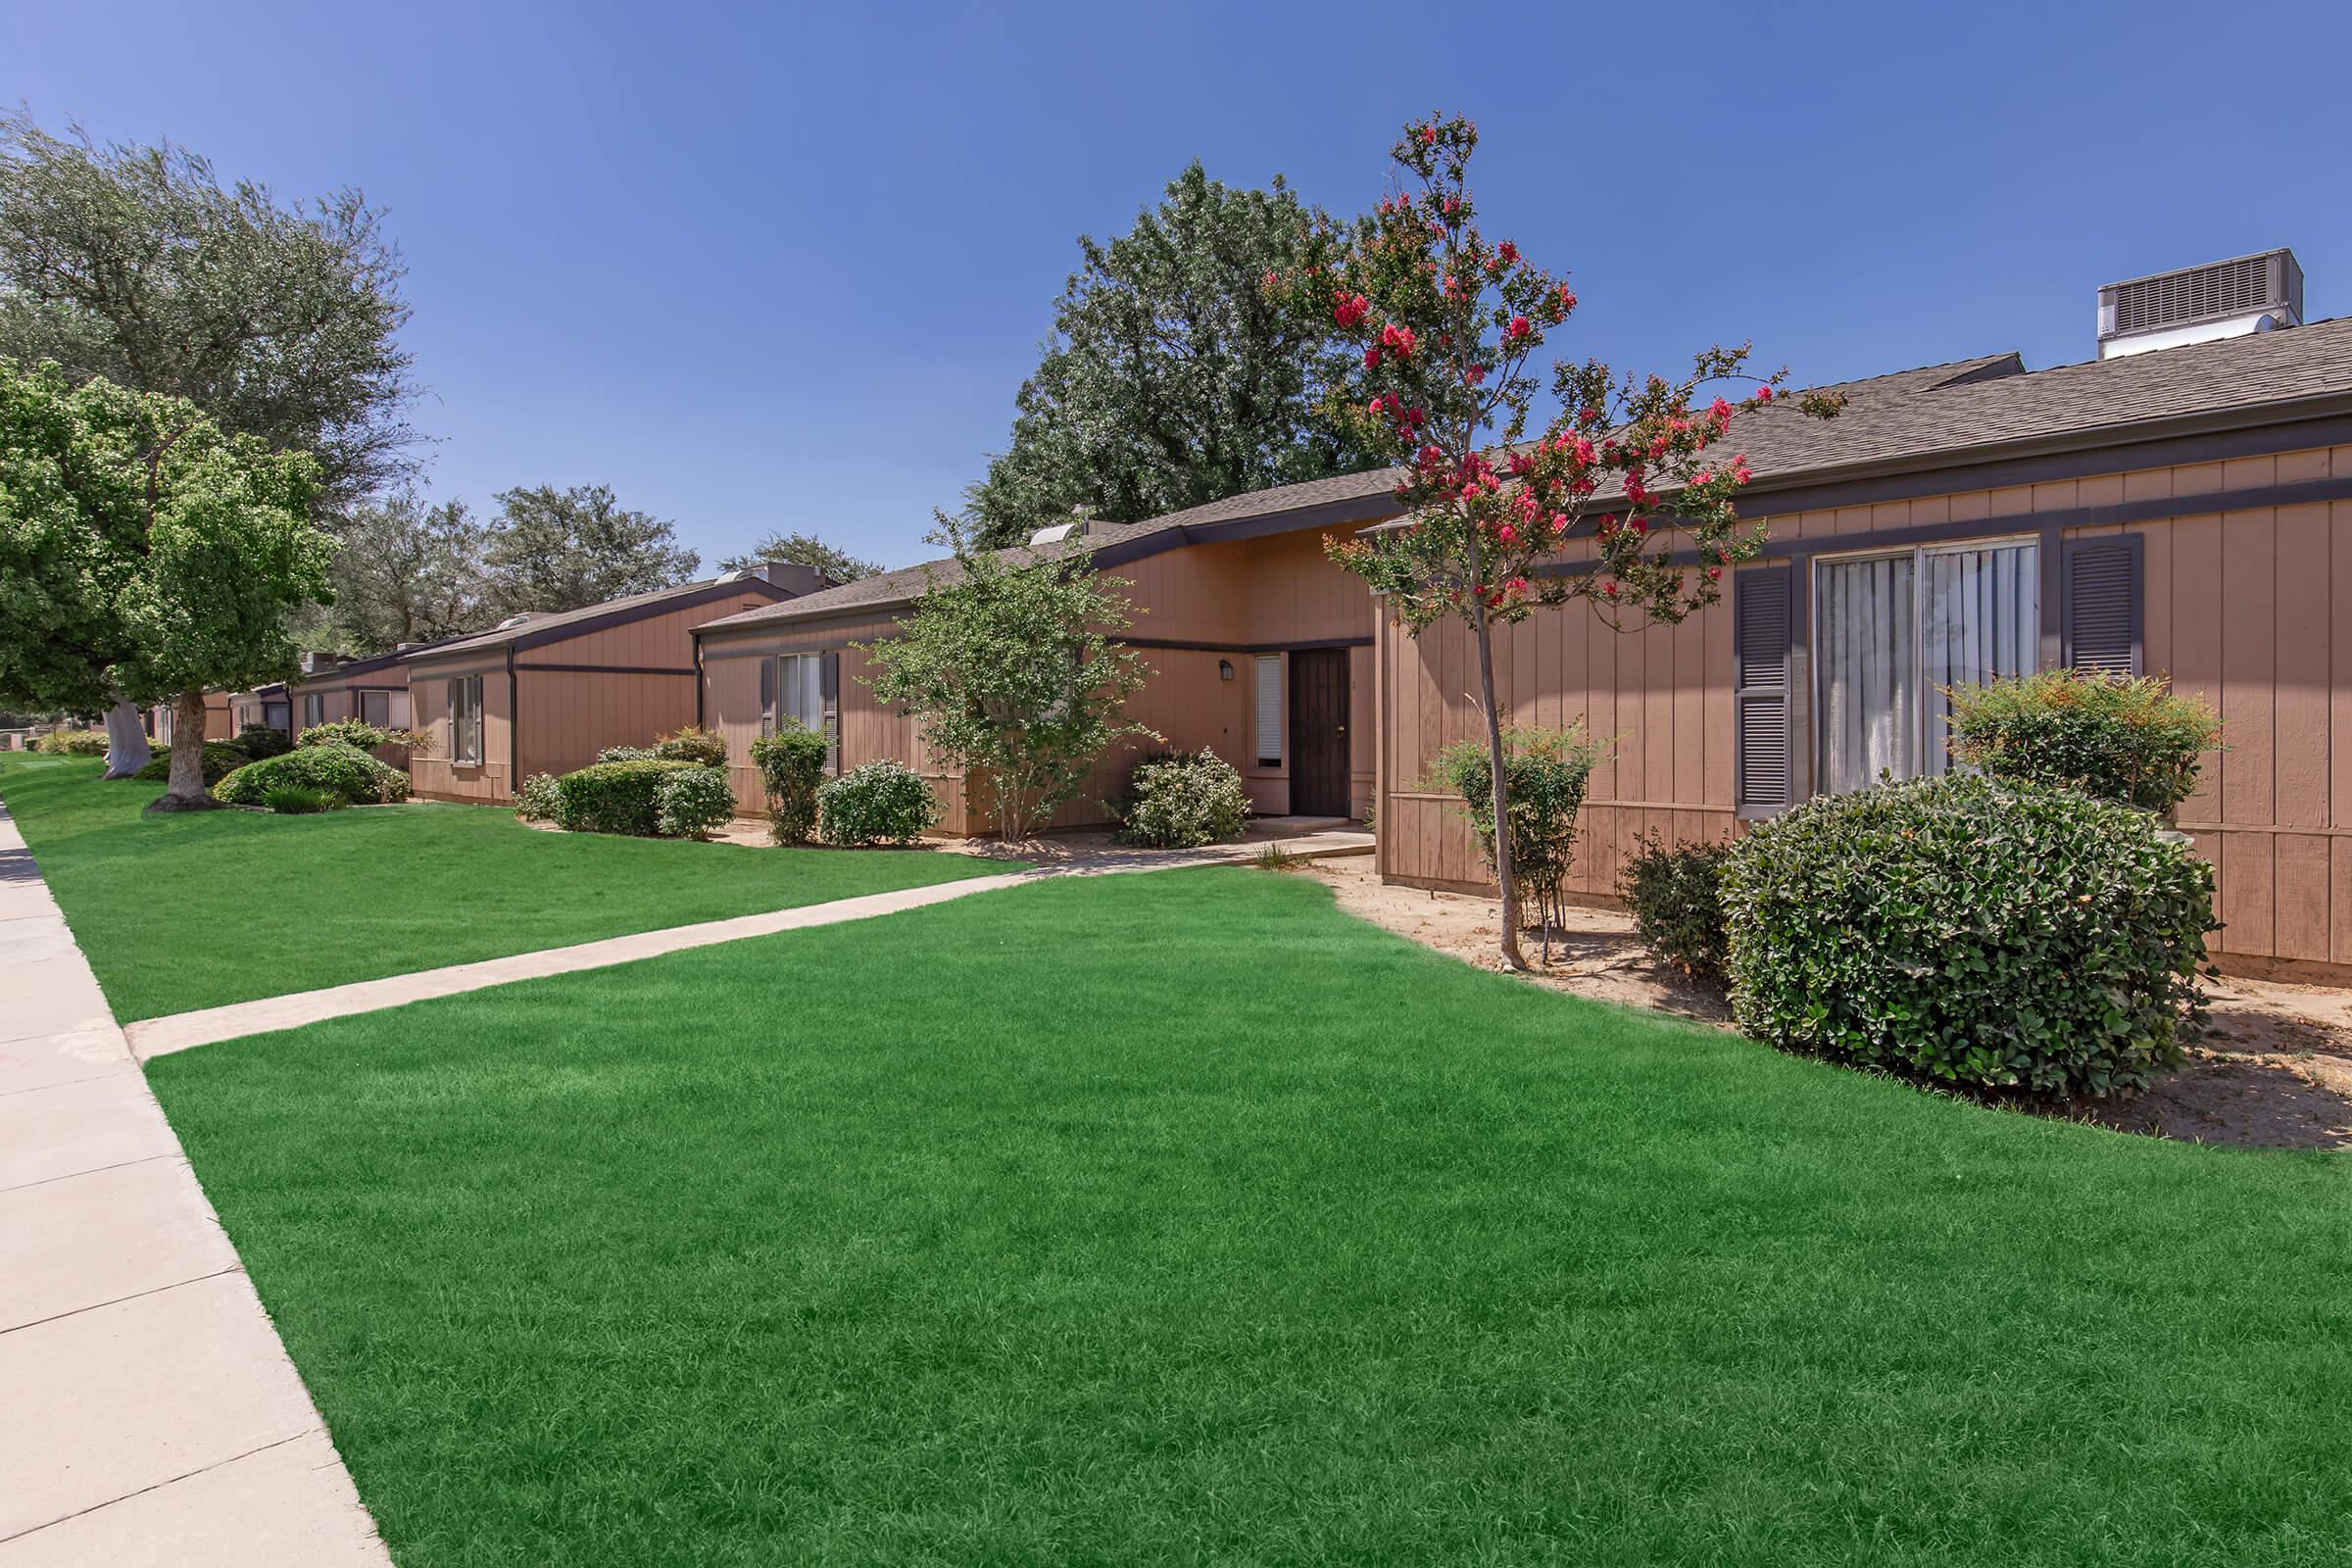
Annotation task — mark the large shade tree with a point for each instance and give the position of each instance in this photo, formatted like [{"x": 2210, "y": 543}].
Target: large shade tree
[
  {"x": 1171, "y": 378},
  {"x": 145, "y": 554},
  {"x": 278, "y": 318},
  {"x": 1621, "y": 500},
  {"x": 553, "y": 550},
  {"x": 808, "y": 551},
  {"x": 407, "y": 571}
]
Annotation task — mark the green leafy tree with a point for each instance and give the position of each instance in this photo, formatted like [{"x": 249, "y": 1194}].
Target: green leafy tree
[
  {"x": 1014, "y": 671},
  {"x": 554, "y": 550},
  {"x": 407, "y": 572},
  {"x": 1448, "y": 324},
  {"x": 276, "y": 319},
  {"x": 146, "y": 554},
  {"x": 1172, "y": 377},
  {"x": 807, "y": 550}
]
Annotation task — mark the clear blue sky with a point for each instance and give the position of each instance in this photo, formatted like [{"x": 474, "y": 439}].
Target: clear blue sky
[{"x": 759, "y": 269}]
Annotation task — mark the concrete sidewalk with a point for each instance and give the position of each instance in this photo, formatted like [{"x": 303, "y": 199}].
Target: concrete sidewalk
[{"x": 148, "y": 1413}]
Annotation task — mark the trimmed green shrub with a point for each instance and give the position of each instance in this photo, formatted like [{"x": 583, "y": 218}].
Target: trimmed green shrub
[
  {"x": 623, "y": 797},
  {"x": 2121, "y": 740},
  {"x": 347, "y": 772},
  {"x": 358, "y": 732},
  {"x": 693, "y": 800},
  {"x": 536, "y": 800},
  {"x": 261, "y": 743},
  {"x": 1181, "y": 801},
  {"x": 876, "y": 803},
  {"x": 1676, "y": 893},
  {"x": 72, "y": 743},
  {"x": 1987, "y": 933},
  {"x": 693, "y": 745},
  {"x": 219, "y": 761},
  {"x": 627, "y": 754},
  {"x": 792, "y": 764},
  {"x": 1549, "y": 770},
  {"x": 299, "y": 800}
]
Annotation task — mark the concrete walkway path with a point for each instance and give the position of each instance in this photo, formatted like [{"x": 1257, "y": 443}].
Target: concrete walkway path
[
  {"x": 157, "y": 1037},
  {"x": 148, "y": 1414}
]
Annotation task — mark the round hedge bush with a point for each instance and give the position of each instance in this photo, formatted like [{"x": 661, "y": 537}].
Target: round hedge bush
[
  {"x": 2121, "y": 740},
  {"x": 1983, "y": 933},
  {"x": 792, "y": 766},
  {"x": 694, "y": 744},
  {"x": 219, "y": 761},
  {"x": 876, "y": 803},
  {"x": 693, "y": 800},
  {"x": 72, "y": 743},
  {"x": 345, "y": 771},
  {"x": 623, "y": 797},
  {"x": 261, "y": 743},
  {"x": 1183, "y": 799}
]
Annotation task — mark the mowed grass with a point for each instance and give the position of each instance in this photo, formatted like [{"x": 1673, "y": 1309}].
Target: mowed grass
[
  {"x": 1182, "y": 1218},
  {"x": 193, "y": 909}
]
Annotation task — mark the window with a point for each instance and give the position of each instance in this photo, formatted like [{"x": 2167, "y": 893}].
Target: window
[
  {"x": 466, "y": 720},
  {"x": 1892, "y": 630},
  {"x": 397, "y": 712},
  {"x": 163, "y": 726},
  {"x": 375, "y": 708},
  {"x": 313, "y": 709},
  {"x": 804, "y": 688},
  {"x": 1269, "y": 710}
]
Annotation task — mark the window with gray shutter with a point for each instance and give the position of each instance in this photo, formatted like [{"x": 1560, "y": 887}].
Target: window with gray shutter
[
  {"x": 2100, "y": 622},
  {"x": 768, "y": 697},
  {"x": 1761, "y": 624}
]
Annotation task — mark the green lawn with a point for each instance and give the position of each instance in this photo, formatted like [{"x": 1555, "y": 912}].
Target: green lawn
[
  {"x": 194, "y": 909},
  {"x": 1180, "y": 1218}
]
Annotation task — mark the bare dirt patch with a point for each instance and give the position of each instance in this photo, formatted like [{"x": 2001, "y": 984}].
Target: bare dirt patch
[{"x": 2273, "y": 1068}]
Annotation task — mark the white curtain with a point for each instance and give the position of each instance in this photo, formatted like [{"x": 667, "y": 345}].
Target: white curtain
[
  {"x": 1982, "y": 621},
  {"x": 1869, "y": 713}
]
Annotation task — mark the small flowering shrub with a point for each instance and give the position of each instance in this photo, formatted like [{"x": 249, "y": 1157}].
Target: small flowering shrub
[
  {"x": 1978, "y": 932},
  {"x": 358, "y": 732},
  {"x": 536, "y": 800},
  {"x": 1544, "y": 774},
  {"x": 72, "y": 743},
  {"x": 1181, "y": 801},
  {"x": 693, "y": 745},
  {"x": 792, "y": 764},
  {"x": 2121, "y": 740},
  {"x": 693, "y": 800},
  {"x": 219, "y": 761},
  {"x": 876, "y": 803},
  {"x": 627, "y": 754},
  {"x": 1676, "y": 893},
  {"x": 623, "y": 797},
  {"x": 350, "y": 774},
  {"x": 259, "y": 742}
]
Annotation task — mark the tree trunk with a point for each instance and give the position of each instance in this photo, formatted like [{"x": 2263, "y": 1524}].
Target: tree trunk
[
  {"x": 1511, "y": 958},
  {"x": 127, "y": 750},
  {"x": 186, "y": 792}
]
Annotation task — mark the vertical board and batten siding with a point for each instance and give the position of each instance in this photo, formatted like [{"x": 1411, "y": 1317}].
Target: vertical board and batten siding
[
  {"x": 434, "y": 776},
  {"x": 2249, "y": 609},
  {"x": 1213, "y": 601}
]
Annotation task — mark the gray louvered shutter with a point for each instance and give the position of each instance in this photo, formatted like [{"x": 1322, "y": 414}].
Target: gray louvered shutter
[
  {"x": 829, "y": 692},
  {"x": 768, "y": 694},
  {"x": 2100, "y": 616},
  {"x": 1762, "y": 619}
]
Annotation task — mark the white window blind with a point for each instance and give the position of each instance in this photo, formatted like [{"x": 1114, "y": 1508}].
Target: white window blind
[
  {"x": 465, "y": 719},
  {"x": 1269, "y": 710}
]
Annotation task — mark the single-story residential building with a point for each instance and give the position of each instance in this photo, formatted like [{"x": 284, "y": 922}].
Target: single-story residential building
[
  {"x": 2171, "y": 507},
  {"x": 545, "y": 693},
  {"x": 272, "y": 706},
  {"x": 216, "y": 721},
  {"x": 373, "y": 691}
]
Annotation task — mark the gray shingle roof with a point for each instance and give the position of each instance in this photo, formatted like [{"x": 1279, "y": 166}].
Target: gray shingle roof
[
  {"x": 1928, "y": 414},
  {"x": 531, "y": 626}
]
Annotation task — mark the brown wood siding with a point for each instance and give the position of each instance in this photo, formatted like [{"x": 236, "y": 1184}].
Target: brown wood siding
[
  {"x": 435, "y": 777},
  {"x": 1218, "y": 599},
  {"x": 2251, "y": 609}
]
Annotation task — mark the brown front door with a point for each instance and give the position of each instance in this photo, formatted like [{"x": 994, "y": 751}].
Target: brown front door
[{"x": 1319, "y": 732}]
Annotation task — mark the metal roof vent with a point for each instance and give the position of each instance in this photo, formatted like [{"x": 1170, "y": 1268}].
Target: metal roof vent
[
  {"x": 2256, "y": 293},
  {"x": 1057, "y": 533},
  {"x": 512, "y": 621}
]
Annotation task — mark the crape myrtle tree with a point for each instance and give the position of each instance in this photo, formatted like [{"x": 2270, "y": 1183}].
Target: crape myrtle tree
[
  {"x": 145, "y": 556},
  {"x": 1448, "y": 324},
  {"x": 1012, "y": 668}
]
